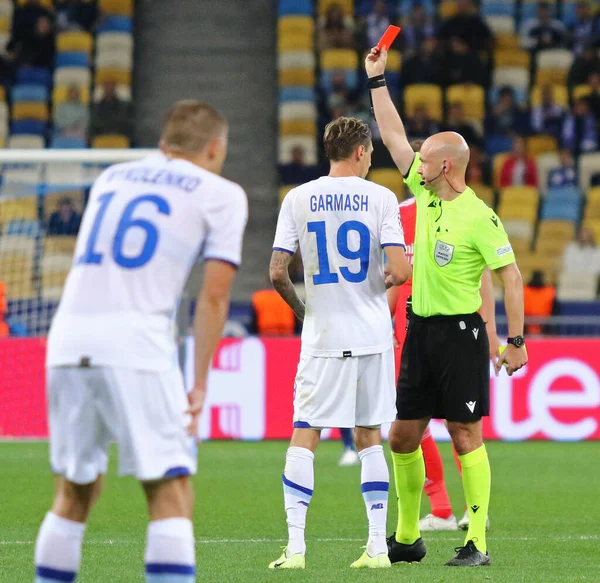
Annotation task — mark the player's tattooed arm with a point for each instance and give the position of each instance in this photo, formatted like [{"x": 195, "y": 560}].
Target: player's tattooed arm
[{"x": 280, "y": 278}]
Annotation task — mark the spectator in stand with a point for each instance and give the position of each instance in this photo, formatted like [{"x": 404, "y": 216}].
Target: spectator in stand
[
  {"x": 424, "y": 66},
  {"x": 76, "y": 15},
  {"x": 583, "y": 66},
  {"x": 111, "y": 115},
  {"x": 586, "y": 27},
  {"x": 579, "y": 132},
  {"x": 467, "y": 25},
  {"x": 72, "y": 117},
  {"x": 506, "y": 116},
  {"x": 416, "y": 31},
  {"x": 340, "y": 95},
  {"x": 377, "y": 23},
  {"x": 540, "y": 302},
  {"x": 420, "y": 126},
  {"x": 297, "y": 171},
  {"x": 25, "y": 19},
  {"x": 565, "y": 174},
  {"x": 548, "y": 117},
  {"x": 336, "y": 31},
  {"x": 582, "y": 256},
  {"x": 594, "y": 97},
  {"x": 456, "y": 122},
  {"x": 65, "y": 220},
  {"x": 34, "y": 47},
  {"x": 462, "y": 65},
  {"x": 543, "y": 32},
  {"x": 519, "y": 169},
  {"x": 478, "y": 170}
]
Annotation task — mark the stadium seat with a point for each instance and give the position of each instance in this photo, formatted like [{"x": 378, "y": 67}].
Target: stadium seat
[
  {"x": 520, "y": 246},
  {"x": 110, "y": 75},
  {"x": 518, "y": 202},
  {"x": 541, "y": 144},
  {"x": 24, "y": 142},
  {"x": 115, "y": 59},
  {"x": 61, "y": 92},
  {"x": 556, "y": 229},
  {"x": 580, "y": 91},
  {"x": 471, "y": 97},
  {"x": 29, "y": 93},
  {"x": 516, "y": 77},
  {"x": 26, "y": 228},
  {"x": 296, "y": 60},
  {"x": 68, "y": 143},
  {"x": 498, "y": 8},
  {"x": 305, "y": 110},
  {"x": 111, "y": 141},
  {"x": 80, "y": 42},
  {"x": 502, "y": 25},
  {"x": 16, "y": 271},
  {"x": 24, "y": 209},
  {"x": 122, "y": 41},
  {"x": 577, "y": 287},
  {"x": 529, "y": 9},
  {"x": 307, "y": 143},
  {"x": 299, "y": 127},
  {"x": 296, "y": 42},
  {"x": 112, "y": 23},
  {"x": 116, "y": 7},
  {"x": 123, "y": 93},
  {"x": 338, "y": 59},
  {"x": 347, "y": 5},
  {"x": 21, "y": 175},
  {"x": 72, "y": 76},
  {"x": 485, "y": 193},
  {"x": 72, "y": 59},
  {"x": 589, "y": 164},
  {"x": 521, "y": 229},
  {"x": 6, "y": 9},
  {"x": 553, "y": 66},
  {"x": 283, "y": 190},
  {"x": 4, "y": 24},
  {"x": 390, "y": 178},
  {"x": 46, "y": 3},
  {"x": 287, "y": 94},
  {"x": 59, "y": 245},
  {"x": 66, "y": 175},
  {"x": 511, "y": 58},
  {"x": 594, "y": 226},
  {"x": 496, "y": 145},
  {"x": 428, "y": 95},
  {"x": 17, "y": 245},
  {"x": 299, "y": 77},
  {"x": 296, "y": 25},
  {"x": 289, "y": 7},
  {"x": 55, "y": 269},
  {"x": 546, "y": 162},
  {"x": 28, "y": 126},
  {"x": 568, "y": 15},
  {"x": 560, "y": 95},
  {"x": 557, "y": 207},
  {"x": 2, "y": 94},
  {"x": 33, "y": 76},
  {"x": 592, "y": 208},
  {"x": 30, "y": 110}
]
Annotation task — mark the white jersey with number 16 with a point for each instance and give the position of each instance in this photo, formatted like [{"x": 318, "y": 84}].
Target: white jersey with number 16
[
  {"x": 145, "y": 225},
  {"x": 341, "y": 226}
]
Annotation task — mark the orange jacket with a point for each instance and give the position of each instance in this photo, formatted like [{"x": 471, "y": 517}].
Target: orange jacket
[
  {"x": 273, "y": 316},
  {"x": 539, "y": 301}
]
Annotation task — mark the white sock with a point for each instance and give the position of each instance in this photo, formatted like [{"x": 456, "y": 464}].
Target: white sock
[
  {"x": 170, "y": 551},
  {"x": 374, "y": 484},
  {"x": 298, "y": 484},
  {"x": 58, "y": 549}
]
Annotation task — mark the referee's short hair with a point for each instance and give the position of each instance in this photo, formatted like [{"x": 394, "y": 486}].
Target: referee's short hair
[
  {"x": 190, "y": 125},
  {"x": 343, "y": 135}
]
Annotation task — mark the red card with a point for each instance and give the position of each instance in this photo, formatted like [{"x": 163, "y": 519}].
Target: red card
[{"x": 388, "y": 37}]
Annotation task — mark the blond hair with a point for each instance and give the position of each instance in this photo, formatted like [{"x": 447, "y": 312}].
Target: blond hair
[
  {"x": 190, "y": 125},
  {"x": 343, "y": 135}
]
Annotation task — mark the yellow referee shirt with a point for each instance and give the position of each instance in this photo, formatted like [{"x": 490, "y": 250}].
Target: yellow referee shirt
[{"x": 454, "y": 241}]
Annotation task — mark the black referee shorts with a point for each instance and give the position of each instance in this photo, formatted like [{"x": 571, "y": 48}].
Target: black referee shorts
[{"x": 445, "y": 367}]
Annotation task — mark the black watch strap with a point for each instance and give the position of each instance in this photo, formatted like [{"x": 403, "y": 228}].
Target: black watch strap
[{"x": 517, "y": 341}]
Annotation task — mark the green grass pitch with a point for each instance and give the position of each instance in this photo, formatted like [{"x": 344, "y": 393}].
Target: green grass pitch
[{"x": 545, "y": 515}]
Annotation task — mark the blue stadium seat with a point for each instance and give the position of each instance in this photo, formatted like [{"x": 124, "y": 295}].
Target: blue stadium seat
[
  {"x": 406, "y": 6},
  {"x": 566, "y": 194},
  {"x": 296, "y": 94},
  {"x": 28, "y": 126},
  {"x": 295, "y": 7},
  {"x": 21, "y": 227},
  {"x": 68, "y": 143},
  {"x": 529, "y": 10},
  {"x": 565, "y": 211},
  {"x": 34, "y": 76},
  {"x": 72, "y": 59},
  {"x": 498, "y": 8},
  {"x": 497, "y": 145},
  {"x": 567, "y": 15},
  {"x": 29, "y": 93},
  {"x": 116, "y": 24}
]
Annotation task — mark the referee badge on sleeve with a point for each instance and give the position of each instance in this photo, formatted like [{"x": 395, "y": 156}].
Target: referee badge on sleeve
[{"x": 443, "y": 253}]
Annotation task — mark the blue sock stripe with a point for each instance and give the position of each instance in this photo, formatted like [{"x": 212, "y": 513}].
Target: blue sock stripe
[
  {"x": 48, "y": 574},
  {"x": 374, "y": 486},
  {"x": 295, "y": 486},
  {"x": 171, "y": 568}
]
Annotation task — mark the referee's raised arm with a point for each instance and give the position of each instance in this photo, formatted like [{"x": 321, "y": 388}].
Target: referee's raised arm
[{"x": 390, "y": 125}]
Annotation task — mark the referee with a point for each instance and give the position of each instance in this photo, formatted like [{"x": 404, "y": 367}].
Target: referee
[{"x": 445, "y": 372}]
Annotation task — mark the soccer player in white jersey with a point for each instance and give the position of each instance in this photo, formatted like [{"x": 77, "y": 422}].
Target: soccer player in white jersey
[
  {"x": 345, "y": 375},
  {"x": 112, "y": 368}
]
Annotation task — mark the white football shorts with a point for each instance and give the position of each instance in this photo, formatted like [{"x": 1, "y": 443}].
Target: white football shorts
[
  {"x": 356, "y": 391},
  {"x": 143, "y": 411}
]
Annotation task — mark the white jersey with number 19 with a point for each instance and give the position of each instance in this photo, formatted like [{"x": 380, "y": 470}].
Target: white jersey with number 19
[
  {"x": 145, "y": 225},
  {"x": 341, "y": 226}
]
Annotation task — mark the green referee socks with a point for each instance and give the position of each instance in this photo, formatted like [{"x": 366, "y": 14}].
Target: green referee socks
[
  {"x": 409, "y": 473},
  {"x": 477, "y": 482}
]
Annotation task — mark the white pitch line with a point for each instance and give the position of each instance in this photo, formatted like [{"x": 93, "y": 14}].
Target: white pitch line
[{"x": 218, "y": 541}]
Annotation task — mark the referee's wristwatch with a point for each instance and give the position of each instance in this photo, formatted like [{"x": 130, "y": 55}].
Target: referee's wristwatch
[{"x": 517, "y": 341}]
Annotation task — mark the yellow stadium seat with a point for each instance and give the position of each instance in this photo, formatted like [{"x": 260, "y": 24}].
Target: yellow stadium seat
[
  {"x": 118, "y": 7},
  {"x": 46, "y": 3},
  {"x": 551, "y": 77},
  {"x": 507, "y": 40},
  {"x": 74, "y": 41},
  {"x": 2, "y": 94},
  {"x": 390, "y": 178},
  {"x": 551, "y": 247},
  {"x": 499, "y": 160},
  {"x": 447, "y": 9},
  {"x": 300, "y": 127},
  {"x": 289, "y": 77},
  {"x": 60, "y": 94},
  {"x": 537, "y": 145},
  {"x": 111, "y": 141},
  {"x": 521, "y": 246},
  {"x": 556, "y": 230},
  {"x": 592, "y": 208},
  {"x": 339, "y": 59},
  {"x": 347, "y": 6},
  {"x": 296, "y": 25},
  {"x": 472, "y": 98},
  {"x": 485, "y": 193},
  {"x": 581, "y": 91},
  {"x": 283, "y": 190},
  {"x": 18, "y": 209},
  {"x": 4, "y": 24},
  {"x": 16, "y": 271},
  {"x": 518, "y": 202},
  {"x": 427, "y": 94},
  {"x": 116, "y": 76},
  {"x": 559, "y": 93},
  {"x": 538, "y": 261},
  {"x": 511, "y": 58},
  {"x": 59, "y": 245},
  {"x": 295, "y": 42},
  {"x": 30, "y": 110},
  {"x": 592, "y": 224}
]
